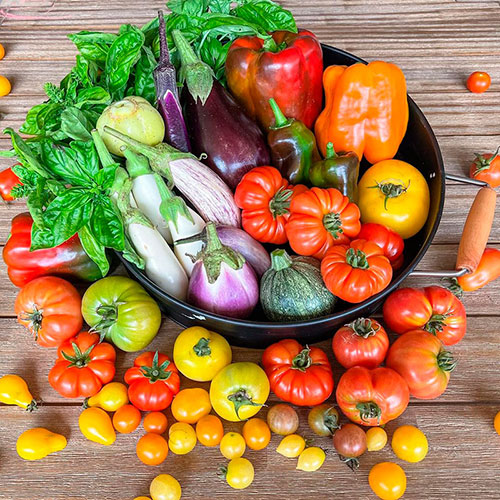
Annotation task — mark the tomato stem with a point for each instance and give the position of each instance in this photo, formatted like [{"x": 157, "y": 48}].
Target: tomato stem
[
  {"x": 79, "y": 360},
  {"x": 454, "y": 287},
  {"x": 241, "y": 398},
  {"x": 351, "y": 462},
  {"x": 156, "y": 372},
  {"x": 483, "y": 163},
  {"x": 303, "y": 360},
  {"x": 364, "y": 327},
  {"x": 436, "y": 323},
  {"x": 445, "y": 361},
  {"x": 279, "y": 204},
  {"x": 35, "y": 318},
  {"x": 390, "y": 190},
  {"x": 333, "y": 224},
  {"x": 369, "y": 410},
  {"x": 202, "y": 347},
  {"x": 32, "y": 406},
  {"x": 331, "y": 421},
  {"x": 356, "y": 259}
]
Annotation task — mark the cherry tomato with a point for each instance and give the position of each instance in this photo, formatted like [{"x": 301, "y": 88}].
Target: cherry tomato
[
  {"x": 323, "y": 420},
  {"x": 496, "y": 422},
  {"x": 165, "y": 487},
  {"x": 387, "y": 480},
  {"x": 486, "y": 167},
  {"x": 232, "y": 445},
  {"x": 5, "y": 86},
  {"x": 181, "y": 438},
  {"x": 2, "y": 51},
  {"x": 376, "y": 438},
  {"x": 152, "y": 449},
  {"x": 189, "y": 405},
  {"x": 126, "y": 419},
  {"x": 282, "y": 419},
  {"x": 291, "y": 446},
  {"x": 156, "y": 422},
  {"x": 256, "y": 433},
  {"x": 409, "y": 443},
  {"x": 478, "y": 82},
  {"x": 350, "y": 443},
  {"x": 209, "y": 430},
  {"x": 311, "y": 459},
  {"x": 239, "y": 473}
]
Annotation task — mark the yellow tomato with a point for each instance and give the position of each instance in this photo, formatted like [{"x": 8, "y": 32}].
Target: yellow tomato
[
  {"x": 376, "y": 438},
  {"x": 37, "y": 443},
  {"x": 165, "y": 487},
  {"x": 239, "y": 473},
  {"x": 395, "y": 194},
  {"x": 200, "y": 354},
  {"x": 232, "y": 445},
  {"x": 2, "y": 51},
  {"x": 142, "y": 498},
  {"x": 291, "y": 446},
  {"x": 387, "y": 480},
  {"x": 239, "y": 390},
  {"x": 409, "y": 443},
  {"x": 14, "y": 391},
  {"x": 5, "y": 86},
  {"x": 96, "y": 425},
  {"x": 311, "y": 459},
  {"x": 256, "y": 433},
  {"x": 189, "y": 405},
  {"x": 110, "y": 398},
  {"x": 181, "y": 438},
  {"x": 496, "y": 422}
]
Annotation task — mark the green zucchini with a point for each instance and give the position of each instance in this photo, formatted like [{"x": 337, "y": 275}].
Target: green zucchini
[{"x": 293, "y": 289}]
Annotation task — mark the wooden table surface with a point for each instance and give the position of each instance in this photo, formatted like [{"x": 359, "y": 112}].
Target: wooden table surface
[{"x": 437, "y": 43}]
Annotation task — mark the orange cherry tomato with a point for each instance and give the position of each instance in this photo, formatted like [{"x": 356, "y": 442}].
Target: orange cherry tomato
[
  {"x": 152, "y": 449},
  {"x": 209, "y": 430},
  {"x": 2, "y": 51},
  {"x": 189, "y": 405},
  {"x": 126, "y": 419},
  {"x": 478, "y": 82},
  {"x": 5, "y": 86},
  {"x": 256, "y": 433},
  {"x": 155, "y": 422}
]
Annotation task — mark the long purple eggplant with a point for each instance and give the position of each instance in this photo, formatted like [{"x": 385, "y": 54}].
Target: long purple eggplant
[
  {"x": 217, "y": 125},
  {"x": 167, "y": 96}
]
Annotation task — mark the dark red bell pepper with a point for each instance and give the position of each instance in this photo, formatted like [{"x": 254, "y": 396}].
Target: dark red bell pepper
[
  {"x": 287, "y": 67},
  {"x": 66, "y": 260},
  {"x": 8, "y": 179}
]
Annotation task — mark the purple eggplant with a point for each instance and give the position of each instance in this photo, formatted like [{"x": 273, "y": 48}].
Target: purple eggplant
[
  {"x": 167, "y": 96},
  {"x": 217, "y": 125},
  {"x": 222, "y": 281}
]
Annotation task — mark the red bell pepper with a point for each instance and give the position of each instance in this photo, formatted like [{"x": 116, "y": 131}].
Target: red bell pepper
[
  {"x": 8, "y": 179},
  {"x": 67, "y": 259},
  {"x": 287, "y": 67}
]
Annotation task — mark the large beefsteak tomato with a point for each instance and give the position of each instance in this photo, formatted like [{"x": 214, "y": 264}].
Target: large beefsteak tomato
[
  {"x": 388, "y": 240},
  {"x": 298, "y": 375}
]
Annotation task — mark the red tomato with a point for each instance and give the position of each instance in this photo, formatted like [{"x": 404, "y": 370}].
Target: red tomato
[
  {"x": 83, "y": 366},
  {"x": 265, "y": 196},
  {"x": 301, "y": 376},
  {"x": 50, "y": 308},
  {"x": 363, "y": 342},
  {"x": 478, "y": 82},
  {"x": 153, "y": 381},
  {"x": 372, "y": 397},
  {"x": 319, "y": 219},
  {"x": 388, "y": 240},
  {"x": 487, "y": 270},
  {"x": 486, "y": 167},
  {"x": 419, "y": 357},
  {"x": 8, "y": 179},
  {"x": 355, "y": 273},
  {"x": 433, "y": 308}
]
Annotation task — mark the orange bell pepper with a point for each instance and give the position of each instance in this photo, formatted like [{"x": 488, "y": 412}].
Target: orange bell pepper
[{"x": 366, "y": 110}]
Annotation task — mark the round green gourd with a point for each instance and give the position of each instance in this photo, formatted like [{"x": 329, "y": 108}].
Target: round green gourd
[{"x": 293, "y": 289}]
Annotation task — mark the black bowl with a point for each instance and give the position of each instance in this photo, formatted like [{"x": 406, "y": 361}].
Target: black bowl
[{"x": 419, "y": 148}]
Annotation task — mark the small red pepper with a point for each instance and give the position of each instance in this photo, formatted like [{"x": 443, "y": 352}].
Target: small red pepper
[
  {"x": 8, "y": 179},
  {"x": 66, "y": 260},
  {"x": 287, "y": 67}
]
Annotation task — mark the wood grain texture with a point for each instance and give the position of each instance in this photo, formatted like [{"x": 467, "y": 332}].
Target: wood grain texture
[{"x": 437, "y": 43}]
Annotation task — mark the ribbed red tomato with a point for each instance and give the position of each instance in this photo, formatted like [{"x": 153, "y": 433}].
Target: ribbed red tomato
[
  {"x": 363, "y": 342},
  {"x": 298, "y": 375},
  {"x": 372, "y": 397},
  {"x": 434, "y": 309},
  {"x": 388, "y": 240}
]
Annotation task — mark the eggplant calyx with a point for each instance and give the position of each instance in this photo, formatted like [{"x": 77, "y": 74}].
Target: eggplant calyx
[
  {"x": 164, "y": 61},
  {"x": 156, "y": 372},
  {"x": 136, "y": 164},
  {"x": 241, "y": 398},
  {"x": 280, "y": 259},
  {"x": 333, "y": 224},
  {"x": 368, "y": 411},
  {"x": 357, "y": 259},
  {"x": 303, "y": 360},
  {"x": 445, "y": 361},
  {"x": 364, "y": 327},
  {"x": 483, "y": 163},
  {"x": 171, "y": 206},
  {"x": 80, "y": 359}
]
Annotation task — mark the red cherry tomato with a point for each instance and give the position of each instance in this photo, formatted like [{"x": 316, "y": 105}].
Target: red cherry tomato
[{"x": 478, "y": 82}]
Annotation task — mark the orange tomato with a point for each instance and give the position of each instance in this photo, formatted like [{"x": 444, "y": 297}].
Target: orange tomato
[
  {"x": 5, "y": 86},
  {"x": 2, "y": 51},
  {"x": 126, "y": 419},
  {"x": 478, "y": 82},
  {"x": 496, "y": 422},
  {"x": 155, "y": 422},
  {"x": 209, "y": 430},
  {"x": 189, "y": 405},
  {"x": 152, "y": 449},
  {"x": 256, "y": 433}
]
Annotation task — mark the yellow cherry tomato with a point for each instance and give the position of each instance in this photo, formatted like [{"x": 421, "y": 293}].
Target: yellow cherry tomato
[
  {"x": 165, "y": 487},
  {"x": 291, "y": 446},
  {"x": 239, "y": 390},
  {"x": 5, "y": 86},
  {"x": 2, "y": 51},
  {"x": 311, "y": 459},
  {"x": 409, "y": 443},
  {"x": 239, "y": 473},
  {"x": 14, "y": 391},
  {"x": 96, "y": 425},
  {"x": 376, "y": 438},
  {"x": 387, "y": 480},
  {"x": 189, "y": 405},
  {"x": 395, "y": 194},
  {"x": 111, "y": 397},
  {"x": 232, "y": 445},
  {"x": 496, "y": 422},
  {"x": 256, "y": 433},
  {"x": 200, "y": 354},
  {"x": 209, "y": 430},
  {"x": 181, "y": 438},
  {"x": 37, "y": 443}
]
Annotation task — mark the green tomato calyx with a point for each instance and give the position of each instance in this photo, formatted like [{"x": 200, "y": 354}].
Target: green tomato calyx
[
  {"x": 445, "y": 361},
  {"x": 241, "y": 398},
  {"x": 280, "y": 202},
  {"x": 303, "y": 360},
  {"x": 483, "y": 163},
  {"x": 364, "y": 327},
  {"x": 333, "y": 224},
  {"x": 35, "y": 318},
  {"x": 357, "y": 259},
  {"x": 202, "y": 347},
  {"x": 80, "y": 359},
  {"x": 391, "y": 189},
  {"x": 156, "y": 372},
  {"x": 368, "y": 411}
]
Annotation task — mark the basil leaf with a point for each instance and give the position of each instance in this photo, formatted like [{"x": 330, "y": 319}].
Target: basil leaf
[
  {"x": 36, "y": 202},
  {"x": 93, "y": 45},
  {"x": 150, "y": 31},
  {"x": 122, "y": 55},
  {"x": 41, "y": 238},
  {"x": 214, "y": 53},
  {"x": 106, "y": 176},
  {"x": 94, "y": 249},
  {"x": 48, "y": 118},
  {"x": 219, "y": 6},
  {"x": 144, "y": 84},
  {"x": 55, "y": 93},
  {"x": 268, "y": 15},
  {"x": 107, "y": 225},
  {"x": 92, "y": 95},
  {"x": 73, "y": 84},
  {"x": 30, "y": 125},
  {"x": 189, "y": 7},
  {"x": 86, "y": 156},
  {"x": 75, "y": 124},
  {"x": 81, "y": 70}
]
